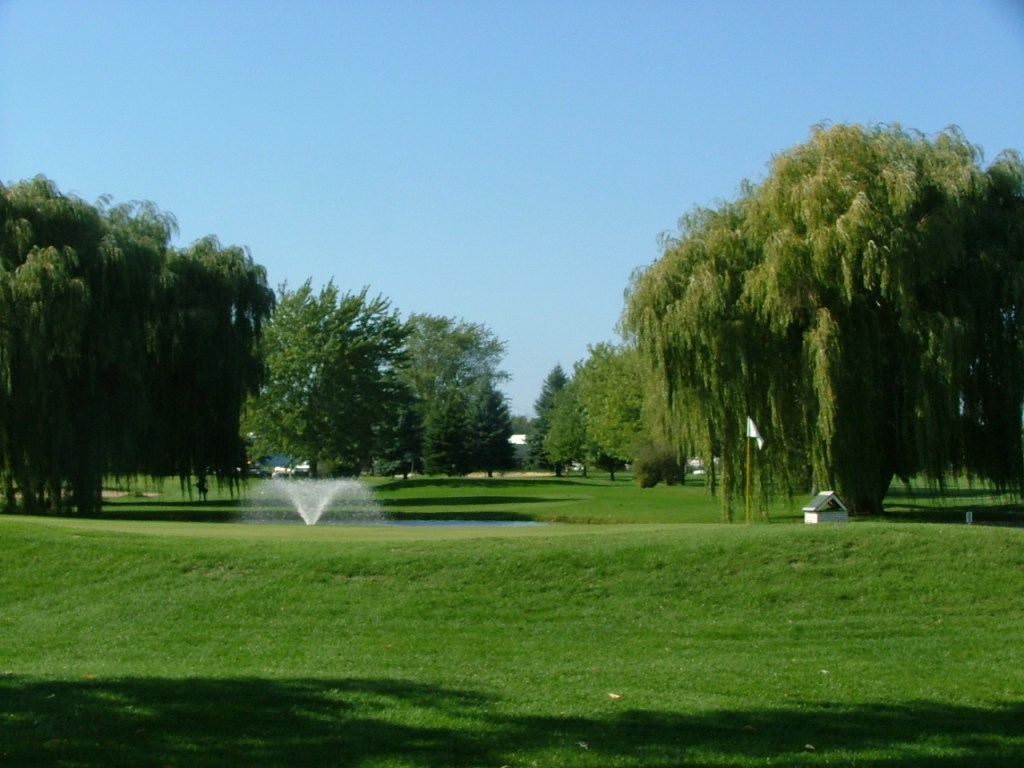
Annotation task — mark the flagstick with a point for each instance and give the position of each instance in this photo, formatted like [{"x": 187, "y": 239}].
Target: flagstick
[{"x": 749, "y": 459}]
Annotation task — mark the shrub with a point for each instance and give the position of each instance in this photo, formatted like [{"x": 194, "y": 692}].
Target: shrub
[{"x": 656, "y": 463}]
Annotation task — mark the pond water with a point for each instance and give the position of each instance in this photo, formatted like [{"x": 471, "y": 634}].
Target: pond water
[{"x": 391, "y": 523}]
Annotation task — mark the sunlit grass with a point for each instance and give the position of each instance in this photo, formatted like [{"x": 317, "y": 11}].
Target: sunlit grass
[
  {"x": 589, "y": 645},
  {"x": 592, "y": 499}
]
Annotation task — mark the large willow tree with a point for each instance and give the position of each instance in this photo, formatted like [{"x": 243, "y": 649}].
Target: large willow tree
[
  {"x": 118, "y": 353},
  {"x": 864, "y": 303}
]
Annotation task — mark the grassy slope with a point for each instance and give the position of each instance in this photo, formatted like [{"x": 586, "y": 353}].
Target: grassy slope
[{"x": 228, "y": 645}]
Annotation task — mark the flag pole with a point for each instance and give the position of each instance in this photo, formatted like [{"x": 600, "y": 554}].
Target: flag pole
[
  {"x": 749, "y": 459},
  {"x": 752, "y": 434}
]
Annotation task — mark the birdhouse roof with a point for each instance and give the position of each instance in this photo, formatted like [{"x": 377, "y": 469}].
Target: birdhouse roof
[{"x": 826, "y": 500}]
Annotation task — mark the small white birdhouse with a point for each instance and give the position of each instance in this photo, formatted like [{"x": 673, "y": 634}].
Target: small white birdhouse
[{"x": 826, "y": 507}]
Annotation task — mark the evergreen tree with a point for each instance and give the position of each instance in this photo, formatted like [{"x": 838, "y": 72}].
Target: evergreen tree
[
  {"x": 446, "y": 447},
  {"x": 449, "y": 360},
  {"x": 537, "y": 456},
  {"x": 492, "y": 427},
  {"x": 400, "y": 439}
]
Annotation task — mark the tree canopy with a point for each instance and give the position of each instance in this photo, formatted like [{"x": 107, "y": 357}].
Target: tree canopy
[
  {"x": 491, "y": 424},
  {"x": 537, "y": 454},
  {"x": 118, "y": 353},
  {"x": 863, "y": 304},
  {"x": 611, "y": 395},
  {"x": 334, "y": 379},
  {"x": 567, "y": 440},
  {"x": 453, "y": 372}
]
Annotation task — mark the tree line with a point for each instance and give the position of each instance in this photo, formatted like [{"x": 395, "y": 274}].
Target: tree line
[
  {"x": 351, "y": 386},
  {"x": 121, "y": 355},
  {"x": 862, "y": 303}
]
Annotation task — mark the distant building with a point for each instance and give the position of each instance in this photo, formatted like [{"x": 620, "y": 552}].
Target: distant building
[{"x": 519, "y": 443}]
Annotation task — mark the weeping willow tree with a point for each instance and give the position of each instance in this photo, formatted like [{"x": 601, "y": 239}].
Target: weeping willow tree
[
  {"x": 213, "y": 303},
  {"x": 696, "y": 333},
  {"x": 863, "y": 303},
  {"x": 40, "y": 345},
  {"x": 93, "y": 316}
]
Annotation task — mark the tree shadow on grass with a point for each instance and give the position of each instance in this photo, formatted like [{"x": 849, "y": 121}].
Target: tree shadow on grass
[
  {"x": 951, "y": 505},
  {"x": 210, "y": 723},
  {"x": 989, "y": 514},
  {"x": 452, "y": 508}
]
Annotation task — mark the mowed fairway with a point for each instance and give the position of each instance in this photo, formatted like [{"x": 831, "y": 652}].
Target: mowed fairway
[{"x": 147, "y": 643}]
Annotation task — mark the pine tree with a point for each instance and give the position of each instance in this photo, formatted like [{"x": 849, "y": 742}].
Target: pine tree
[
  {"x": 536, "y": 455},
  {"x": 446, "y": 447},
  {"x": 492, "y": 427}
]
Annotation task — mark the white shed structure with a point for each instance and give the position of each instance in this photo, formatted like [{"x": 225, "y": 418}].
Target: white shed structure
[{"x": 826, "y": 507}]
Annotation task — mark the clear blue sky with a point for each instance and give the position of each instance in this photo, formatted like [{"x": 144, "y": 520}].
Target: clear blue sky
[{"x": 507, "y": 163}]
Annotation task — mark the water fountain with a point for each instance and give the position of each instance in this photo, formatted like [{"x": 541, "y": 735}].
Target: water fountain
[
  {"x": 338, "y": 502},
  {"x": 313, "y": 499}
]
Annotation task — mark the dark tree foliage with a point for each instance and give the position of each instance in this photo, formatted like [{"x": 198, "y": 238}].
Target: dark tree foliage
[
  {"x": 400, "y": 438},
  {"x": 865, "y": 304},
  {"x": 452, "y": 362},
  {"x": 655, "y": 464},
  {"x": 213, "y": 305},
  {"x": 536, "y": 455},
  {"x": 118, "y": 353},
  {"x": 492, "y": 427},
  {"x": 447, "y": 440}
]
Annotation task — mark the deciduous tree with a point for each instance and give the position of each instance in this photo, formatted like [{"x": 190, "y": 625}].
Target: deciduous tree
[
  {"x": 863, "y": 303},
  {"x": 334, "y": 376},
  {"x": 567, "y": 440},
  {"x": 611, "y": 396}
]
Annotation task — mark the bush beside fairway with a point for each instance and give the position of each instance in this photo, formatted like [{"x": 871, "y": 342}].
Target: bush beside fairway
[{"x": 873, "y": 644}]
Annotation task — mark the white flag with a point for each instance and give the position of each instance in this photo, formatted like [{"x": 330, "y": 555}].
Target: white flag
[{"x": 752, "y": 432}]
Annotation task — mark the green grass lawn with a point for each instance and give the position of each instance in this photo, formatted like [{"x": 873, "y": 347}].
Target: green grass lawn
[
  {"x": 567, "y": 499},
  {"x": 136, "y": 642},
  {"x": 594, "y": 499}
]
